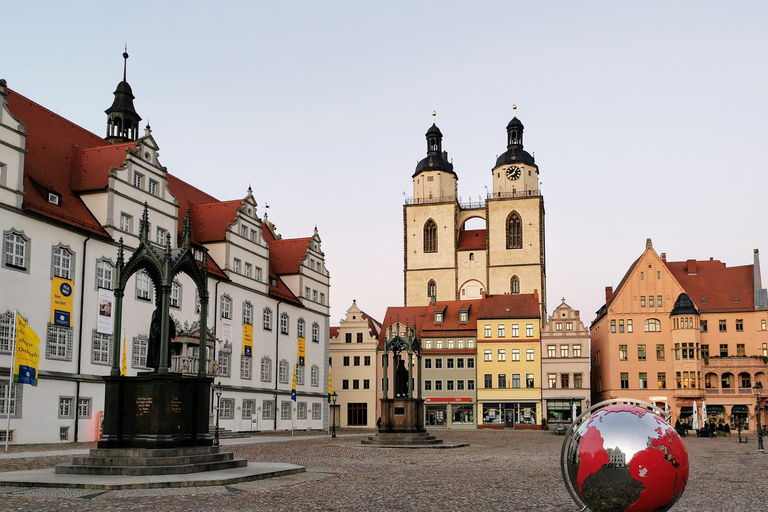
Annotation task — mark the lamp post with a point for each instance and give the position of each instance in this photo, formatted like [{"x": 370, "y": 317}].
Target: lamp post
[
  {"x": 217, "y": 388},
  {"x": 334, "y": 397},
  {"x": 758, "y": 389}
]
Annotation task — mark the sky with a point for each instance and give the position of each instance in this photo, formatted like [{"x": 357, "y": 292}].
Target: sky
[{"x": 647, "y": 119}]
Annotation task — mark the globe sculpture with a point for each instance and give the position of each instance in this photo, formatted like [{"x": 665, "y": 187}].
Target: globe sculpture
[{"x": 623, "y": 455}]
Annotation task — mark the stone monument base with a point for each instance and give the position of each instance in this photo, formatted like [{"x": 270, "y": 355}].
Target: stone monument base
[
  {"x": 156, "y": 411},
  {"x": 401, "y": 415}
]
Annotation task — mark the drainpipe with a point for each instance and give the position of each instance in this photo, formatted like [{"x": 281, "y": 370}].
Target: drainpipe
[
  {"x": 80, "y": 340},
  {"x": 277, "y": 355}
]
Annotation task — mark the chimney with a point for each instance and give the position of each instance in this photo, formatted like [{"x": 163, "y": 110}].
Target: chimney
[
  {"x": 482, "y": 294},
  {"x": 691, "y": 265},
  {"x": 608, "y": 294},
  {"x": 664, "y": 257}
]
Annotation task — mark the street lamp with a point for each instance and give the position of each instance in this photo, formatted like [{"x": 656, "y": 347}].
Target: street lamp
[
  {"x": 758, "y": 389},
  {"x": 334, "y": 397},
  {"x": 217, "y": 388}
]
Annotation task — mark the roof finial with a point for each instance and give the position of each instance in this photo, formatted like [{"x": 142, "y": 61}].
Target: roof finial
[
  {"x": 434, "y": 117},
  {"x": 125, "y": 62},
  {"x": 514, "y": 110}
]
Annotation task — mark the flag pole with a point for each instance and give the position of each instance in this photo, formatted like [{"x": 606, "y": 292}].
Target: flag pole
[{"x": 10, "y": 381}]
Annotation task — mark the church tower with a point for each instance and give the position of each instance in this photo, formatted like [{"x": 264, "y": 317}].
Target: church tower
[
  {"x": 446, "y": 261},
  {"x": 430, "y": 226},
  {"x": 516, "y": 256},
  {"x": 122, "y": 119}
]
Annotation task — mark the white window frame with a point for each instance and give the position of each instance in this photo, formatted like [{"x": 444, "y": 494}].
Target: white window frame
[
  {"x": 138, "y": 180},
  {"x": 285, "y": 410},
  {"x": 154, "y": 187},
  {"x": 62, "y": 261},
  {"x": 66, "y": 407},
  {"x": 266, "y": 319},
  {"x": 315, "y": 332},
  {"x": 283, "y": 371},
  {"x": 105, "y": 273},
  {"x": 176, "y": 294},
  {"x": 247, "y": 313},
  {"x": 16, "y": 250},
  {"x": 226, "y": 307},
  {"x": 143, "y": 286},
  {"x": 266, "y": 369},
  {"x": 284, "y": 323},
  {"x": 101, "y": 348},
  {"x": 268, "y": 409},
  {"x": 58, "y": 342},
  {"x": 139, "y": 347},
  {"x": 316, "y": 411},
  {"x": 246, "y": 367},
  {"x": 314, "y": 376},
  {"x": 126, "y": 222}
]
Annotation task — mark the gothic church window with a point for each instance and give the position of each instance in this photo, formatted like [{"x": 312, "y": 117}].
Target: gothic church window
[
  {"x": 430, "y": 236},
  {"x": 514, "y": 231},
  {"x": 431, "y": 289},
  {"x": 514, "y": 285}
]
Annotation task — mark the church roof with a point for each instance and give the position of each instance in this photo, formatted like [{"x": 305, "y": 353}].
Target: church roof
[
  {"x": 286, "y": 255},
  {"x": 472, "y": 240}
]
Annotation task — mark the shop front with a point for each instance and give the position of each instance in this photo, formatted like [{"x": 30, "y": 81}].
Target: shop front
[
  {"x": 456, "y": 412},
  {"x": 716, "y": 414},
  {"x": 740, "y": 417},
  {"x": 510, "y": 414},
  {"x": 560, "y": 411}
]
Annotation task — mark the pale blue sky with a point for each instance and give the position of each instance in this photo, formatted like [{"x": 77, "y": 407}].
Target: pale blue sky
[{"x": 647, "y": 118}]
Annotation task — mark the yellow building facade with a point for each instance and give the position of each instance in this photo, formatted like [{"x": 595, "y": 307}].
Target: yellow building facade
[{"x": 509, "y": 362}]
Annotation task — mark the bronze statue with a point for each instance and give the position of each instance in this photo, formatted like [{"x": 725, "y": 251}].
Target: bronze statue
[
  {"x": 402, "y": 380},
  {"x": 153, "y": 346}
]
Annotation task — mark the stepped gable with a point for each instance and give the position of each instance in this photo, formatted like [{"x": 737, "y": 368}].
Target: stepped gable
[
  {"x": 472, "y": 240},
  {"x": 718, "y": 284},
  {"x": 52, "y": 163}
]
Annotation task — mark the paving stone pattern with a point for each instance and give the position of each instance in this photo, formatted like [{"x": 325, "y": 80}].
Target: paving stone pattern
[{"x": 500, "y": 470}]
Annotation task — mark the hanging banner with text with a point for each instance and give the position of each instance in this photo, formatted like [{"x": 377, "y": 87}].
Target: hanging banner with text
[
  {"x": 226, "y": 331},
  {"x": 106, "y": 302},
  {"x": 62, "y": 298},
  {"x": 248, "y": 340},
  {"x": 302, "y": 351},
  {"x": 27, "y": 353}
]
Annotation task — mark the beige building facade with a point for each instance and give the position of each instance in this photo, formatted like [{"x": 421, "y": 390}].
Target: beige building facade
[
  {"x": 444, "y": 260},
  {"x": 353, "y": 356},
  {"x": 565, "y": 368}
]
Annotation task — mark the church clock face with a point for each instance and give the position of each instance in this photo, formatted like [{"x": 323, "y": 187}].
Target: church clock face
[{"x": 513, "y": 173}]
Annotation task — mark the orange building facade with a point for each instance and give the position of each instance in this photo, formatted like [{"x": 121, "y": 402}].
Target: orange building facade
[{"x": 682, "y": 333}]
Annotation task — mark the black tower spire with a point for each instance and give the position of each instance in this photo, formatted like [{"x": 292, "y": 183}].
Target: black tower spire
[
  {"x": 122, "y": 119},
  {"x": 436, "y": 159}
]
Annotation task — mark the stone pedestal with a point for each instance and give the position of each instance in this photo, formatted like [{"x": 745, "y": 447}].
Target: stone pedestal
[
  {"x": 402, "y": 415},
  {"x": 156, "y": 411}
]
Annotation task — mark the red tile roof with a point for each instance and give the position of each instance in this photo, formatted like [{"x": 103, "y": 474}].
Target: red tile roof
[
  {"x": 277, "y": 288},
  {"x": 285, "y": 256},
  {"x": 510, "y": 306},
  {"x": 52, "y": 145},
  {"x": 335, "y": 332},
  {"x": 95, "y": 164},
  {"x": 472, "y": 240},
  {"x": 210, "y": 221},
  {"x": 717, "y": 284},
  {"x": 404, "y": 315},
  {"x": 373, "y": 325}
]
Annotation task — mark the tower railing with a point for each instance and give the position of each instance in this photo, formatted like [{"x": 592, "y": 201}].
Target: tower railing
[
  {"x": 515, "y": 194},
  {"x": 430, "y": 200}
]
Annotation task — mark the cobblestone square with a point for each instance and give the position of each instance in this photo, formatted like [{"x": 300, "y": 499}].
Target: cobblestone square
[{"x": 500, "y": 470}]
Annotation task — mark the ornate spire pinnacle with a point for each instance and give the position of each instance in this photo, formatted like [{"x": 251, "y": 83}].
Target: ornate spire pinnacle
[
  {"x": 186, "y": 234},
  {"x": 125, "y": 63},
  {"x": 434, "y": 117},
  {"x": 144, "y": 225}
]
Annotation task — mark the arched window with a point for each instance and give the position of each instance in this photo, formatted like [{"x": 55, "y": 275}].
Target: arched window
[
  {"x": 514, "y": 231},
  {"x": 266, "y": 369},
  {"x": 226, "y": 307},
  {"x": 430, "y": 236},
  {"x": 652, "y": 325},
  {"x": 315, "y": 376},
  {"x": 282, "y": 371},
  {"x": 62, "y": 262},
  {"x": 266, "y": 319},
  {"x": 432, "y": 289},
  {"x": 514, "y": 284},
  {"x": 284, "y": 323},
  {"x": 300, "y": 328},
  {"x": 315, "y": 332},
  {"x": 471, "y": 256},
  {"x": 247, "y": 313}
]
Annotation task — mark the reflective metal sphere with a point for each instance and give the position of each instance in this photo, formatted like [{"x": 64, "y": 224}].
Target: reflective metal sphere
[{"x": 623, "y": 455}]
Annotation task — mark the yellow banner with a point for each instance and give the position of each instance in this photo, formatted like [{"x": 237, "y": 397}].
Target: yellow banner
[
  {"x": 62, "y": 298},
  {"x": 27, "y": 354},
  {"x": 248, "y": 340},
  {"x": 302, "y": 351},
  {"x": 124, "y": 363}
]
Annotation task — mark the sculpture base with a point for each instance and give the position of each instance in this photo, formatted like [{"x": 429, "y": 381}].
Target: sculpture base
[
  {"x": 156, "y": 411},
  {"x": 402, "y": 415}
]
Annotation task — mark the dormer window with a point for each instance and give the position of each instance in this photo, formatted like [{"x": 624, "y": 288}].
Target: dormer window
[
  {"x": 54, "y": 198},
  {"x": 463, "y": 316},
  {"x": 273, "y": 281},
  {"x": 438, "y": 317}
]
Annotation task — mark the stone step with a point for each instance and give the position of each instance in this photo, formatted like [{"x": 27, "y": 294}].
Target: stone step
[
  {"x": 154, "y": 452},
  {"x": 394, "y": 439},
  {"x": 74, "y": 469},
  {"x": 180, "y": 460}
]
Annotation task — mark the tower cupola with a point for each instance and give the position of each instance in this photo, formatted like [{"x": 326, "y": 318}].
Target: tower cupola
[
  {"x": 436, "y": 159},
  {"x": 515, "y": 153},
  {"x": 122, "y": 119}
]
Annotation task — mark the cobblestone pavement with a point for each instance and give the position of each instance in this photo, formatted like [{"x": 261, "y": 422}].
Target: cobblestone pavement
[{"x": 500, "y": 470}]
